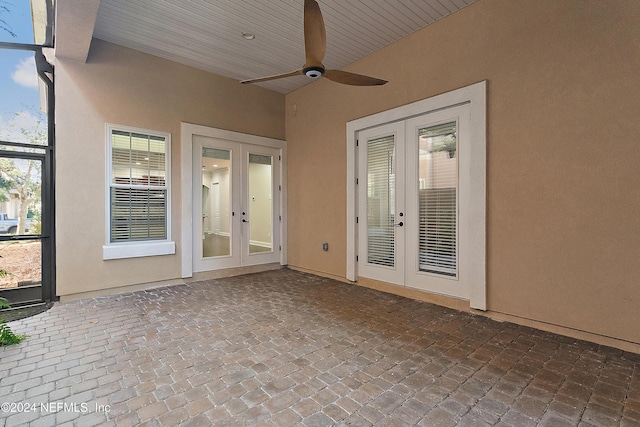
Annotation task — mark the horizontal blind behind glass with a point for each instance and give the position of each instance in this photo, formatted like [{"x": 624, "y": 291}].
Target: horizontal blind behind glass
[
  {"x": 138, "y": 214},
  {"x": 137, "y": 159},
  {"x": 438, "y": 188},
  {"x": 138, "y": 195},
  {"x": 380, "y": 202}
]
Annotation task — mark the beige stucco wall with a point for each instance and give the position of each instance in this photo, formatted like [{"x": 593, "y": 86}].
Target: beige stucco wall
[
  {"x": 125, "y": 87},
  {"x": 563, "y": 222}
]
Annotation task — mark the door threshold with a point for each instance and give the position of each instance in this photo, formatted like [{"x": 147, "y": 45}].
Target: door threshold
[{"x": 235, "y": 271}]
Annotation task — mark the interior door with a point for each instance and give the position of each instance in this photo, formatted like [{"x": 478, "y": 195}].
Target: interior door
[
  {"x": 382, "y": 219},
  {"x": 215, "y": 200},
  {"x": 245, "y": 202},
  {"x": 205, "y": 209}
]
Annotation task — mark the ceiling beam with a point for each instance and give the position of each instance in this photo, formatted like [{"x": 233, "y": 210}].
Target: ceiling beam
[{"x": 75, "y": 20}]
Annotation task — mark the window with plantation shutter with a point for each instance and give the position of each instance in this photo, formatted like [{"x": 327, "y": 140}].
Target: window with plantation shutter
[{"x": 138, "y": 193}]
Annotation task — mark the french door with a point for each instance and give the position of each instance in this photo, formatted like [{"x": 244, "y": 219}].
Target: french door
[
  {"x": 236, "y": 204},
  {"x": 412, "y": 177},
  {"x": 382, "y": 218}
]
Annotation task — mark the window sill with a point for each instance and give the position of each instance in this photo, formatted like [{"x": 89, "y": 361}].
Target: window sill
[{"x": 136, "y": 250}]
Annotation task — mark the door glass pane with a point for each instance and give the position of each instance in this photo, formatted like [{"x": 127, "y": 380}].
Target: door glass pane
[
  {"x": 260, "y": 204},
  {"x": 20, "y": 213},
  {"x": 380, "y": 202},
  {"x": 216, "y": 202},
  {"x": 438, "y": 189}
]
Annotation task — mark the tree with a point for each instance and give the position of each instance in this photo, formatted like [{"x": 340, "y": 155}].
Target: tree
[
  {"x": 4, "y": 9},
  {"x": 445, "y": 143},
  {"x": 23, "y": 178}
]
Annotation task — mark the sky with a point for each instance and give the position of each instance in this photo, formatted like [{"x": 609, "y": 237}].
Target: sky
[{"x": 19, "y": 98}]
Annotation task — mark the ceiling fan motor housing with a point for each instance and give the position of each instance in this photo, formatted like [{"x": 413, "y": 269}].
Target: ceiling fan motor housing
[{"x": 313, "y": 72}]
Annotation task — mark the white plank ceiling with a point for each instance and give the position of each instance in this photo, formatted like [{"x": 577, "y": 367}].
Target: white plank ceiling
[{"x": 207, "y": 34}]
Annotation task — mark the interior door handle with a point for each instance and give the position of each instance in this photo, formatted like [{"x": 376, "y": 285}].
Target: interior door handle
[
  {"x": 400, "y": 224},
  {"x": 244, "y": 220}
]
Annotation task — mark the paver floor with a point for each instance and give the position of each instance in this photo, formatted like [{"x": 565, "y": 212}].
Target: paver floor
[{"x": 287, "y": 348}]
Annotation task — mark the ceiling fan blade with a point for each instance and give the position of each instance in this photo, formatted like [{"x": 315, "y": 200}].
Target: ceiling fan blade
[
  {"x": 353, "y": 79},
  {"x": 315, "y": 37},
  {"x": 274, "y": 77}
]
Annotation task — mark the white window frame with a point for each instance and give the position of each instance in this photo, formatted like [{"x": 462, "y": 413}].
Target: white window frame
[
  {"x": 475, "y": 96},
  {"x": 140, "y": 248}
]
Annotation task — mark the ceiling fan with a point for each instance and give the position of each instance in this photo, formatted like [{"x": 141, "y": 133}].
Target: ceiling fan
[{"x": 315, "y": 44}]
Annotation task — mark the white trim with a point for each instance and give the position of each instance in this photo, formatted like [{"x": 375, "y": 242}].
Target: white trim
[
  {"x": 475, "y": 95},
  {"x": 188, "y": 131},
  {"x": 478, "y": 198},
  {"x": 136, "y": 249},
  {"x": 352, "y": 201}
]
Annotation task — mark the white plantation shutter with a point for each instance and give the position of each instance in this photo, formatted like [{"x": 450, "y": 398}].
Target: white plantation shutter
[
  {"x": 438, "y": 199},
  {"x": 138, "y": 187},
  {"x": 380, "y": 201}
]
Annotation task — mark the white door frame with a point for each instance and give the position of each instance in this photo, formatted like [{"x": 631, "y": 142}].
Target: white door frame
[
  {"x": 475, "y": 96},
  {"x": 188, "y": 131}
]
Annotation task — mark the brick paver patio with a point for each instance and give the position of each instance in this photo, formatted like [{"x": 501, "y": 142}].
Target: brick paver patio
[{"x": 287, "y": 348}]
